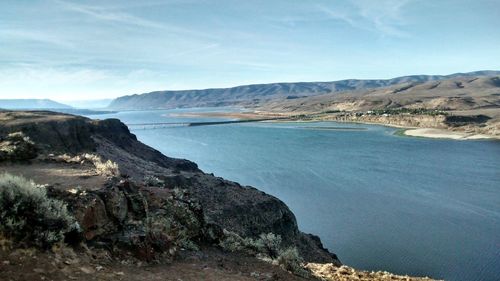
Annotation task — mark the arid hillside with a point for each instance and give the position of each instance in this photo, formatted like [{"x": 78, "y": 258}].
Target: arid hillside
[
  {"x": 469, "y": 106},
  {"x": 254, "y": 95},
  {"x": 460, "y": 94}
]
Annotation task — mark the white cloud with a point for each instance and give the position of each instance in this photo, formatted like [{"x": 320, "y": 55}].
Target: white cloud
[
  {"x": 33, "y": 36},
  {"x": 344, "y": 16},
  {"x": 118, "y": 16},
  {"x": 385, "y": 15},
  {"x": 382, "y": 16}
]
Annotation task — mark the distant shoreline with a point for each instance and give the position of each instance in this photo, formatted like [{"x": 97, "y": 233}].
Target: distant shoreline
[
  {"x": 407, "y": 131},
  {"x": 432, "y": 133}
]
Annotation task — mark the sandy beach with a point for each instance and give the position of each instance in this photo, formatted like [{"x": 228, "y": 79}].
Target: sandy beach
[{"x": 445, "y": 134}]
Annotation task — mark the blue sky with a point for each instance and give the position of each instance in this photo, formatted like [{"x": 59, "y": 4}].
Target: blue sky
[{"x": 67, "y": 50}]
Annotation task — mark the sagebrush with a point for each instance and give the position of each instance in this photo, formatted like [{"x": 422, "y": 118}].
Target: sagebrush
[
  {"x": 290, "y": 260},
  {"x": 28, "y": 216},
  {"x": 267, "y": 247},
  {"x": 153, "y": 181}
]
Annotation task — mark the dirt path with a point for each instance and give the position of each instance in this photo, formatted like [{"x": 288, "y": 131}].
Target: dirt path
[{"x": 64, "y": 264}]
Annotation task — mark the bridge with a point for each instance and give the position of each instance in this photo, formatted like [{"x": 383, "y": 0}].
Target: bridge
[{"x": 159, "y": 125}]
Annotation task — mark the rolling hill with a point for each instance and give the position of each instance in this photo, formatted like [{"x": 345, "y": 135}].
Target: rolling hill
[
  {"x": 252, "y": 95},
  {"x": 455, "y": 94}
]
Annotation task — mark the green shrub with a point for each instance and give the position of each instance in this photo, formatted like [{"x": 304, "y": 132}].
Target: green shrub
[
  {"x": 175, "y": 226},
  {"x": 269, "y": 244},
  {"x": 290, "y": 260},
  {"x": 267, "y": 248},
  {"x": 153, "y": 181},
  {"x": 232, "y": 242},
  {"x": 28, "y": 216}
]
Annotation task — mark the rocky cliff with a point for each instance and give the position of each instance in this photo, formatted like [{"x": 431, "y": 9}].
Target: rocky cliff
[
  {"x": 100, "y": 205},
  {"x": 114, "y": 211}
]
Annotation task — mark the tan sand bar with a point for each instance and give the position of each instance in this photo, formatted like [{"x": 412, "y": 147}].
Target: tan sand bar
[{"x": 444, "y": 134}]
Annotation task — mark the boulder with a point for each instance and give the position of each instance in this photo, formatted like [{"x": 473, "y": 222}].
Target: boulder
[
  {"x": 90, "y": 212},
  {"x": 116, "y": 203}
]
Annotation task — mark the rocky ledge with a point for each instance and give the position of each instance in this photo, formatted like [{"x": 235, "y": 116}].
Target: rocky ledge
[{"x": 226, "y": 205}]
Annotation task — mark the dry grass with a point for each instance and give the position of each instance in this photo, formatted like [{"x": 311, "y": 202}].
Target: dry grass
[
  {"x": 105, "y": 168},
  {"x": 330, "y": 272}
]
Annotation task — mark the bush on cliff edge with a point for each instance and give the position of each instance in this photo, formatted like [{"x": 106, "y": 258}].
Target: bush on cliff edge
[
  {"x": 28, "y": 216},
  {"x": 267, "y": 247},
  {"x": 17, "y": 147}
]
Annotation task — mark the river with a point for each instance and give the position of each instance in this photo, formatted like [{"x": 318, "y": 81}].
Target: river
[{"x": 379, "y": 201}]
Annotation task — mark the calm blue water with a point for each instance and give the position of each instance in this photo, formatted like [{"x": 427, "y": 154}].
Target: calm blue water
[{"x": 381, "y": 202}]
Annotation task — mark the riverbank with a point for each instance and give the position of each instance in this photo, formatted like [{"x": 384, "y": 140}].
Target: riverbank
[
  {"x": 412, "y": 126},
  {"x": 445, "y": 134}
]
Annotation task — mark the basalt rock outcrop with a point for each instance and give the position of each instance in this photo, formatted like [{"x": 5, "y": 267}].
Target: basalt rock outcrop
[
  {"x": 128, "y": 214},
  {"x": 58, "y": 133},
  {"x": 151, "y": 223}
]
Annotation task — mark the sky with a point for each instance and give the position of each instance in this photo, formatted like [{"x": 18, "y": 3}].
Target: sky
[{"x": 75, "y": 50}]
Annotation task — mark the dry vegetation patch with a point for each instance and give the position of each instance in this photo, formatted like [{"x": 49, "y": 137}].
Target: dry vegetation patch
[
  {"x": 17, "y": 146},
  {"x": 28, "y": 216},
  {"x": 330, "y": 272},
  {"x": 267, "y": 247},
  {"x": 106, "y": 168}
]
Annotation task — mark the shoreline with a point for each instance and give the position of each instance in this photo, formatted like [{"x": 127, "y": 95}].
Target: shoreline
[
  {"x": 406, "y": 131},
  {"x": 431, "y": 133},
  {"x": 445, "y": 134}
]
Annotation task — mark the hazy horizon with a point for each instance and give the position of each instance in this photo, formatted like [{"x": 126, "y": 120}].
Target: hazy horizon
[
  {"x": 65, "y": 50},
  {"x": 81, "y": 103}
]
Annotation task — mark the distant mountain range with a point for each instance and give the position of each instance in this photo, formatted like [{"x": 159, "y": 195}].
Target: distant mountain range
[
  {"x": 31, "y": 104},
  {"x": 252, "y": 95}
]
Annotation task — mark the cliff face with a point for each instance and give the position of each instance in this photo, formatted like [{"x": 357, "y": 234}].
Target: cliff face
[
  {"x": 58, "y": 133},
  {"x": 110, "y": 210},
  {"x": 425, "y": 121}
]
